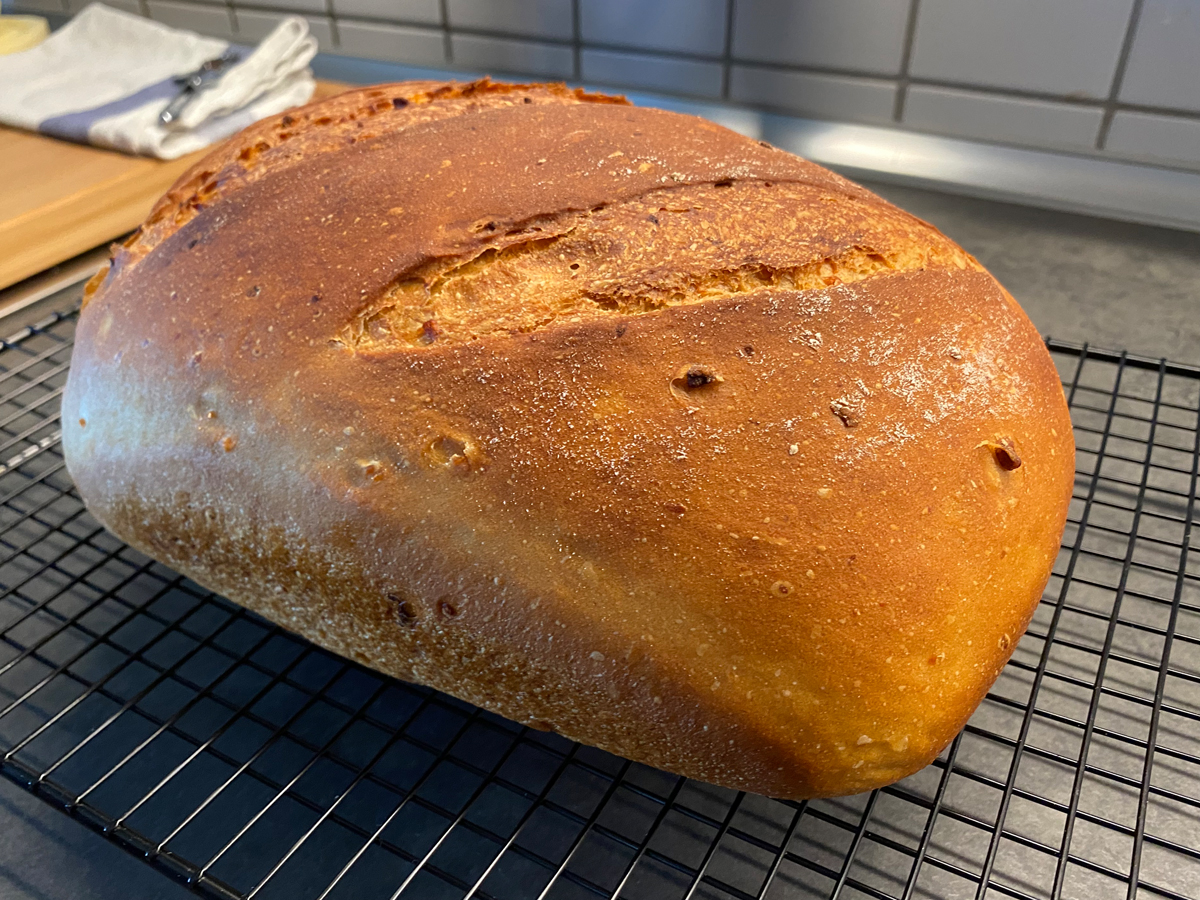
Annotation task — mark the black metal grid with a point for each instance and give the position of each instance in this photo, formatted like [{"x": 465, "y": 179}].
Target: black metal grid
[{"x": 248, "y": 763}]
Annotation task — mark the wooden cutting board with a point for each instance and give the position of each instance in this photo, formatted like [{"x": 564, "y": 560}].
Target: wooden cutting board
[{"x": 59, "y": 199}]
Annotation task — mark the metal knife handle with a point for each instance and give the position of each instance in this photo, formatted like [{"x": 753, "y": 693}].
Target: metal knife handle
[
  {"x": 194, "y": 82},
  {"x": 176, "y": 106}
]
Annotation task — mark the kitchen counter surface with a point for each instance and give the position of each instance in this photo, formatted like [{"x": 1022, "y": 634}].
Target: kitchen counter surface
[
  {"x": 1111, "y": 284},
  {"x": 46, "y": 855},
  {"x": 1080, "y": 279}
]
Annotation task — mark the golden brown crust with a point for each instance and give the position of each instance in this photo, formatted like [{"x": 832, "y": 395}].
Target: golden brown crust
[
  {"x": 277, "y": 142},
  {"x": 762, "y": 491}
]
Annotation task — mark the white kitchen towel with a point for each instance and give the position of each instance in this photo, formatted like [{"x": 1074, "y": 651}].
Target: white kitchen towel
[{"x": 104, "y": 77}]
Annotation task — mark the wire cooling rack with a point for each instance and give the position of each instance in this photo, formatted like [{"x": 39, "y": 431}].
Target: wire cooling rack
[{"x": 248, "y": 763}]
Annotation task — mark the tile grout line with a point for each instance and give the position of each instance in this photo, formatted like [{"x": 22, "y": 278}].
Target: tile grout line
[
  {"x": 727, "y": 55},
  {"x": 447, "y": 46},
  {"x": 335, "y": 34},
  {"x": 1110, "y": 106},
  {"x": 910, "y": 31},
  {"x": 576, "y": 41}
]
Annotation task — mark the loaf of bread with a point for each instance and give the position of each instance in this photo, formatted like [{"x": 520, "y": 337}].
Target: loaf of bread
[{"x": 607, "y": 419}]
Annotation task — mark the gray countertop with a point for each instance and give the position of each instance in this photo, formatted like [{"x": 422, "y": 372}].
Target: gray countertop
[
  {"x": 47, "y": 855},
  {"x": 1080, "y": 279},
  {"x": 1111, "y": 284}
]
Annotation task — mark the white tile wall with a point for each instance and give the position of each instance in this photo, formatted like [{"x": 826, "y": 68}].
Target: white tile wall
[
  {"x": 816, "y": 96},
  {"x": 1173, "y": 140},
  {"x": 1164, "y": 62},
  {"x": 1051, "y": 46},
  {"x": 1038, "y": 73},
  {"x": 1007, "y": 120},
  {"x": 683, "y": 26},
  {"x": 648, "y": 72},
  {"x": 510, "y": 55},
  {"x": 253, "y": 26},
  {"x": 214, "y": 21},
  {"x": 408, "y": 12},
  {"x": 862, "y": 35},
  {"x": 393, "y": 43},
  {"x": 524, "y": 18}
]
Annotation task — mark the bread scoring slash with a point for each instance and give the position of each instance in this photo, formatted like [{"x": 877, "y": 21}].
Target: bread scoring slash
[{"x": 607, "y": 419}]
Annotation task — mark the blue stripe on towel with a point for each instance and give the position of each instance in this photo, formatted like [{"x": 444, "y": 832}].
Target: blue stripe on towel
[{"x": 75, "y": 126}]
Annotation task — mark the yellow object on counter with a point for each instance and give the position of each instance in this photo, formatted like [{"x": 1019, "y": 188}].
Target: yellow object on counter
[{"x": 19, "y": 33}]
